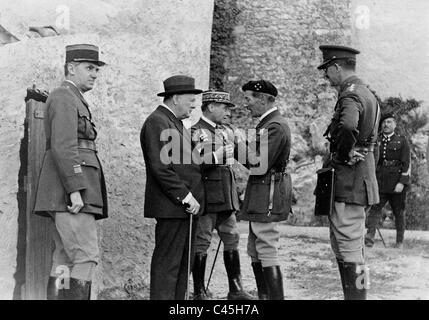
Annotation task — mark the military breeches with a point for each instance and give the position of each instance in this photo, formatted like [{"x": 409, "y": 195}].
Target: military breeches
[
  {"x": 263, "y": 243},
  {"x": 168, "y": 271},
  {"x": 76, "y": 252},
  {"x": 397, "y": 202},
  {"x": 347, "y": 227},
  {"x": 226, "y": 225}
]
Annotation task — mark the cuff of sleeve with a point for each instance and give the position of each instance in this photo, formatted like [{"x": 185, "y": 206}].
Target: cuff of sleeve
[
  {"x": 187, "y": 198},
  {"x": 75, "y": 183},
  {"x": 405, "y": 180}
]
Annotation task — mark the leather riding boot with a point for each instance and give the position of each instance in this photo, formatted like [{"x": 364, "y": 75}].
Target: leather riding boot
[
  {"x": 198, "y": 273},
  {"x": 79, "y": 290},
  {"x": 274, "y": 280},
  {"x": 356, "y": 278},
  {"x": 341, "y": 269},
  {"x": 231, "y": 259},
  {"x": 260, "y": 281},
  {"x": 52, "y": 292},
  {"x": 400, "y": 230}
]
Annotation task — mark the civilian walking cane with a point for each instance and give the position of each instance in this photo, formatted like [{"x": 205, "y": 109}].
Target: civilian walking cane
[
  {"x": 189, "y": 256},
  {"x": 384, "y": 243},
  {"x": 214, "y": 262}
]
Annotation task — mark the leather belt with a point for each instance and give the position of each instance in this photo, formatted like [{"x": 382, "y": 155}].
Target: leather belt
[
  {"x": 86, "y": 144},
  {"x": 364, "y": 149},
  {"x": 391, "y": 163},
  {"x": 81, "y": 144}
]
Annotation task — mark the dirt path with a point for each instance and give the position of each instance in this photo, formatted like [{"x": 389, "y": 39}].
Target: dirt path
[{"x": 310, "y": 269}]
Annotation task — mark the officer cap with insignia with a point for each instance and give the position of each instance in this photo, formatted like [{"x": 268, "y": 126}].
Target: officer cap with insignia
[
  {"x": 333, "y": 53},
  {"x": 217, "y": 96},
  {"x": 83, "y": 53},
  {"x": 262, "y": 86},
  {"x": 387, "y": 115}
]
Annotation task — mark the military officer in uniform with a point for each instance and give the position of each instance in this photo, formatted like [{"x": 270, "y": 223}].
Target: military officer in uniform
[
  {"x": 352, "y": 134},
  {"x": 268, "y": 195},
  {"x": 221, "y": 195},
  {"x": 393, "y": 176},
  {"x": 71, "y": 189}
]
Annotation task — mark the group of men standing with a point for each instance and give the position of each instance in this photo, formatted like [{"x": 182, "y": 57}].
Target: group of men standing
[
  {"x": 206, "y": 188},
  {"x": 190, "y": 184}
]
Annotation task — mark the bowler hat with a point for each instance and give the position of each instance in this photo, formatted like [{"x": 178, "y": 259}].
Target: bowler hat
[
  {"x": 333, "y": 53},
  {"x": 263, "y": 86},
  {"x": 179, "y": 85},
  {"x": 217, "y": 96},
  {"x": 83, "y": 53}
]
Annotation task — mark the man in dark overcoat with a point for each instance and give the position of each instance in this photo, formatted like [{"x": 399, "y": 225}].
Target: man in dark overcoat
[
  {"x": 71, "y": 188},
  {"x": 268, "y": 196},
  {"x": 216, "y": 142},
  {"x": 352, "y": 134},
  {"x": 174, "y": 188},
  {"x": 393, "y": 177}
]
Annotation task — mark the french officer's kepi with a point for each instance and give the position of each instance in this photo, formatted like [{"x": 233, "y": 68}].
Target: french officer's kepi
[
  {"x": 217, "y": 96},
  {"x": 263, "y": 86},
  {"x": 333, "y": 53},
  {"x": 83, "y": 53}
]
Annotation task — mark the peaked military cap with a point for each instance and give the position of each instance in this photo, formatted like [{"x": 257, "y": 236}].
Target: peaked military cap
[
  {"x": 83, "y": 53},
  {"x": 333, "y": 53},
  {"x": 263, "y": 86},
  {"x": 217, "y": 96}
]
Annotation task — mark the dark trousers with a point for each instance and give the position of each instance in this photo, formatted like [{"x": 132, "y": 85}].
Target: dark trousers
[
  {"x": 397, "y": 202},
  {"x": 168, "y": 272}
]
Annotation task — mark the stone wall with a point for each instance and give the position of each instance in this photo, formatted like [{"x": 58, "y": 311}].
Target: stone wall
[
  {"x": 278, "y": 41},
  {"x": 143, "y": 42}
]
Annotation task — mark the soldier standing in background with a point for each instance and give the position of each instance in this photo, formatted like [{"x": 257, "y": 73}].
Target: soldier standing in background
[
  {"x": 352, "y": 134},
  {"x": 393, "y": 176}
]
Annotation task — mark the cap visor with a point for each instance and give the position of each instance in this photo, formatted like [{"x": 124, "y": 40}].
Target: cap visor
[
  {"x": 323, "y": 65},
  {"x": 97, "y": 62}
]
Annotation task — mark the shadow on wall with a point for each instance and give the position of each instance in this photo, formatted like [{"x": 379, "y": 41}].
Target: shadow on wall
[
  {"x": 33, "y": 32},
  {"x": 6, "y": 36},
  {"x": 21, "y": 196}
]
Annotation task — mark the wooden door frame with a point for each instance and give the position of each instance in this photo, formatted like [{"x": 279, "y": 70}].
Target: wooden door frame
[{"x": 38, "y": 258}]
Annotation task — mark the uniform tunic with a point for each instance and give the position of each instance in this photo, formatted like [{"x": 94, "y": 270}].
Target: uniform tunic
[
  {"x": 353, "y": 126},
  {"x": 393, "y": 167}
]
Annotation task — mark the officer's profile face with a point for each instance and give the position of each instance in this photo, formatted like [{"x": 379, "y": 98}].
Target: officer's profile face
[
  {"x": 184, "y": 104},
  {"x": 388, "y": 126},
  {"x": 83, "y": 74},
  {"x": 253, "y": 104},
  {"x": 219, "y": 112},
  {"x": 332, "y": 74}
]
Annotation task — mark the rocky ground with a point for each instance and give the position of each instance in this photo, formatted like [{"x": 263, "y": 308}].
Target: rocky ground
[{"x": 310, "y": 270}]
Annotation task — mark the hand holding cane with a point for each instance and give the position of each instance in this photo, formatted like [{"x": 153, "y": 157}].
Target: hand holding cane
[
  {"x": 192, "y": 208},
  {"x": 189, "y": 256}
]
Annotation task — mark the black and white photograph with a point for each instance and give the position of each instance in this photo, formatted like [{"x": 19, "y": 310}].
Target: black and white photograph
[{"x": 229, "y": 151}]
